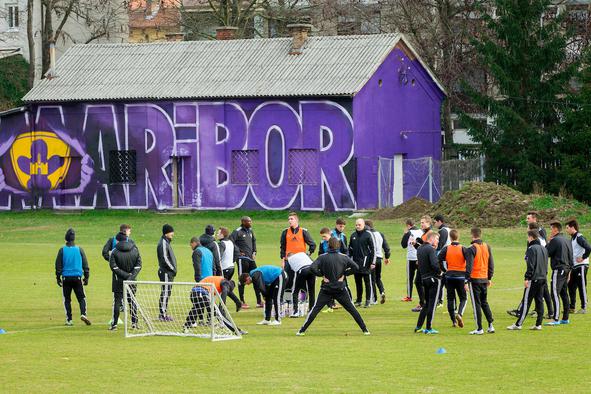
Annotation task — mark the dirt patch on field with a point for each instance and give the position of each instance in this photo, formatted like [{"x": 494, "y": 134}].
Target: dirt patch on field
[{"x": 413, "y": 208}]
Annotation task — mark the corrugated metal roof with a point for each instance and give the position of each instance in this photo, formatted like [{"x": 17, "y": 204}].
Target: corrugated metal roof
[{"x": 329, "y": 66}]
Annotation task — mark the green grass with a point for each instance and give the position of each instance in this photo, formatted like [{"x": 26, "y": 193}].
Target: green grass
[{"x": 39, "y": 354}]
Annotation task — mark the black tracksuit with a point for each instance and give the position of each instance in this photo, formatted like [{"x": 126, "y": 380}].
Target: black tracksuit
[
  {"x": 305, "y": 280},
  {"x": 167, "y": 270},
  {"x": 126, "y": 263},
  {"x": 245, "y": 249},
  {"x": 333, "y": 267},
  {"x": 109, "y": 246},
  {"x": 536, "y": 273},
  {"x": 443, "y": 236},
  {"x": 69, "y": 283},
  {"x": 430, "y": 273},
  {"x": 361, "y": 250},
  {"x": 454, "y": 283},
  {"x": 376, "y": 273},
  {"x": 560, "y": 252}
]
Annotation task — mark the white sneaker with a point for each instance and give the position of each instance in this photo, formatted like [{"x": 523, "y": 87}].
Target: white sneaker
[
  {"x": 476, "y": 332},
  {"x": 85, "y": 320},
  {"x": 295, "y": 315},
  {"x": 366, "y": 333},
  {"x": 69, "y": 323},
  {"x": 275, "y": 323},
  {"x": 264, "y": 323},
  {"x": 490, "y": 329},
  {"x": 514, "y": 327},
  {"x": 536, "y": 328},
  {"x": 300, "y": 334}
]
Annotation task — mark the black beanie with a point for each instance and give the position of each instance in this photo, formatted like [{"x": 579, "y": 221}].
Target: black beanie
[
  {"x": 167, "y": 228},
  {"x": 70, "y": 235},
  {"x": 209, "y": 229}
]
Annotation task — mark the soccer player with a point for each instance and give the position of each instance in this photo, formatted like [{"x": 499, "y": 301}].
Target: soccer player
[
  {"x": 109, "y": 247},
  {"x": 325, "y": 235},
  {"x": 245, "y": 241},
  {"x": 270, "y": 280},
  {"x": 408, "y": 242},
  {"x": 483, "y": 269},
  {"x": 381, "y": 252},
  {"x": 228, "y": 254},
  {"x": 361, "y": 250},
  {"x": 201, "y": 303},
  {"x": 295, "y": 238},
  {"x": 71, "y": 272},
  {"x": 338, "y": 232},
  {"x": 535, "y": 276},
  {"x": 532, "y": 217},
  {"x": 202, "y": 260},
  {"x": 126, "y": 264},
  {"x": 208, "y": 241},
  {"x": 459, "y": 263},
  {"x": 578, "y": 276},
  {"x": 444, "y": 241},
  {"x": 425, "y": 228},
  {"x": 333, "y": 267},
  {"x": 560, "y": 252},
  {"x": 304, "y": 279},
  {"x": 430, "y": 272},
  {"x": 167, "y": 269}
]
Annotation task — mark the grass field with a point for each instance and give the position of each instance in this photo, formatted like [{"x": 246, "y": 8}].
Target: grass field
[{"x": 40, "y": 354}]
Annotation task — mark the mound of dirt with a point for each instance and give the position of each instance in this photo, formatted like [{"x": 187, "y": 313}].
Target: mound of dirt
[
  {"x": 413, "y": 208},
  {"x": 483, "y": 204},
  {"x": 551, "y": 208}
]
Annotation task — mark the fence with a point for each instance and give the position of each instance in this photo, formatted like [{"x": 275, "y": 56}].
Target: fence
[{"x": 423, "y": 177}]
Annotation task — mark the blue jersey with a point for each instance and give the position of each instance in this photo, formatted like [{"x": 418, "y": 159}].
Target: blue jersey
[
  {"x": 269, "y": 272},
  {"x": 72, "y": 261},
  {"x": 206, "y": 262}
]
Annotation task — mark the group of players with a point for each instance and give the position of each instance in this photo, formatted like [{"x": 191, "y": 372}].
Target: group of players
[{"x": 435, "y": 260}]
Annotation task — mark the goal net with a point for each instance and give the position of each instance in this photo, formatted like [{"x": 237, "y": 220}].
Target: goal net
[{"x": 178, "y": 309}]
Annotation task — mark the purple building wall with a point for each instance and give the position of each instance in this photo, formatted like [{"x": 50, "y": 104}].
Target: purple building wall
[{"x": 264, "y": 153}]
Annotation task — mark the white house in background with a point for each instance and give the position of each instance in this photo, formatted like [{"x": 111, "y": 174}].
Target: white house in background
[{"x": 13, "y": 27}]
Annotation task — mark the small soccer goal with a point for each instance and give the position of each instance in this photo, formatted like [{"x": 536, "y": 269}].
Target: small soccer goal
[{"x": 178, "y": 309}]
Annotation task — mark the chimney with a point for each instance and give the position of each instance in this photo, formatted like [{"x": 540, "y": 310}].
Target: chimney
[
  {"x": 225, "y": 32},
  {"x": 299, "y": 35}
]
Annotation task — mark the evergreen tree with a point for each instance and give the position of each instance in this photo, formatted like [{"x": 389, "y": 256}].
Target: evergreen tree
[
  {"x": 524, "y": 55},
  {"x": 573, "y": 138}
]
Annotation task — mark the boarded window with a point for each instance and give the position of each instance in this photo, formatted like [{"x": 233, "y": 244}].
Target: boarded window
[
  {"x": 303, "y": 167},
  {"x": 245, "y": 167},
  {"x": 122, "y": 166}
]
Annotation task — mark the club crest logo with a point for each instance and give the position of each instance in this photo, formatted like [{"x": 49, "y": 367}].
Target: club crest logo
[{"x": 40, "y": 160}]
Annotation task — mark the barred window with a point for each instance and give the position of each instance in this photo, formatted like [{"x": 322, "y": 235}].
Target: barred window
[
  {"x": 122, "y": 166},
  {"x": 245, "y": 167},
  {"x": 303, "y": 167}
]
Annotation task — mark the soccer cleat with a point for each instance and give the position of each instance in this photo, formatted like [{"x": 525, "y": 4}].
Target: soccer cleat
[
  {"x": 431, "y": 332},
  {"x": 536, "y": 328},
  {"x": 69, "y": 323},
  {"x": 113, "y": 327},
  {"x": 165, "y": 318},
  {"x": 367, "y": 305},
  {"x": 366, "y": 333},
  {"x": 418, "y": 330},
  {"x": 581, "y": 311},
  {"x": 514, "y": 327},
  {"x": 374, "y": 303},
  {"x": 565, "y": 322},
  {"x": 328, "y": 310},
  {"x": 300, "y": 334},
  {"x": 294, "y": 315},
  {"x": 264, "y": 323},
  {"x": 550, "y": 316},
  {"x": 275, "y": 323},
  {"x": 490, "y": 329},
  {"x": 460, "y": 321},
  {"x": 513, "y": 312},
  {"x": 406, "y": 299},
  {"x": 358, "y": 303},
  {"x": 245, "y": 306},
  {"x": 552, "y": 323},
  {"x": 477, "y": 332},
  {"x": 242, "y": 332},
  {"x": 260, "y": 305},
  {"x": 417, "y": 308},
  {"x": 85, "y": 320},
  {"x": 382, "y": 298}
]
